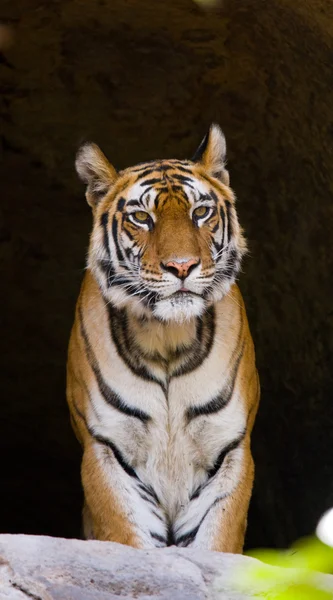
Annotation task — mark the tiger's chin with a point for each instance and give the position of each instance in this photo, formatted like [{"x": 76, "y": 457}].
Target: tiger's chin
[{"x": 179, "y": 308}]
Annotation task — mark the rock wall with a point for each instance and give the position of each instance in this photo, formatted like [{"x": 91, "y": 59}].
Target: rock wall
[{"x": 144, "y": 79}]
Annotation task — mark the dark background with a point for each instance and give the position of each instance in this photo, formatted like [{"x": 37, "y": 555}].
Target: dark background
[{"x": 144, "y": 79}]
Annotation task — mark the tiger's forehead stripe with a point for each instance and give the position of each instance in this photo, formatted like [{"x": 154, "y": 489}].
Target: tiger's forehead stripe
[
  {"x": 155, "y": 182},
  {"x": 156, "y": 197}
]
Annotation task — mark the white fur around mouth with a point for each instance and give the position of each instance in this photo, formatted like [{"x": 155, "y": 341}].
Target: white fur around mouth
[
  {"x": 179, "y": 307},
  {"x": 181, "y": 294}
]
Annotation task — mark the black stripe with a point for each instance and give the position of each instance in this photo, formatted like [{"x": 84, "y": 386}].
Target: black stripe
[
  {"x": 214, "y": 230},
  {"x": 157, "y": 515},
  {"x": 187, "y": 538},
  {"x": 170, "y": 535},
  {"x": 78, "y": 412},
  {"x": 157, "y": 198},
  {"x": 144, "y": 172},
  {"x": 108, "y": 269},
  {"x": 201, "y": 149},
  {"x": 175, "y": 161},
  {"x": 133, "y": 351},
  {"x": 108, "y": 394},
  {"x": 183, "y": 179},
  {"x": 158, "y": 537},
  {"x": 198, "y": 491},
  {"x": 149, "y": 299},
  {"x": 151, "y": 494},
  {"x": 200, "y": 349},
  {"x": 117, "y": 454},
  {"x": 104, "y": 224},
  {"x": 126, "y": 346},
  {"x": 213, "y": 196},
  {"x": 147, "y": 499},
  {"x": 152, "y": 181},
  {"x": 119, "y": 279},
  {"x": 150, "y": 491},
  {"x": 177, "y": 188},
  {"x": 144, "y": 194},
  {"x": 121, "y": 204},
  {"x": 133, "y": 202},
  {"x": 178, "y": 352},
  {"x": 113, "y": 278},
  {"x": 227, "y": 269},
  {"x": 219, "y": 461},
  {"x": 222, "y": 215},
  {"x": 129, "y": 252},
  {"x": 131, "y": 237},
  {"x": 216, "y": 246},
  {"x": 229, "y": 224},
  {"x": 115, "y": 238},
  {"x": 232, "y": 267},
  {"x": 182, "y": 169},
  {"x": 204, "y": 197},
  {"x": 123, "y": 463},
  {"x": 222, "y": 399}
]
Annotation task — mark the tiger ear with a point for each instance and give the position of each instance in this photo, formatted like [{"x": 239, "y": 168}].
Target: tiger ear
[
  {"x": 211, "y": 154},
  {"x": 96, "y": 171}
]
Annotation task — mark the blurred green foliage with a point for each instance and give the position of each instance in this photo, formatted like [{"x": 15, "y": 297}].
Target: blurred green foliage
[{"x": 296, "y": 579}]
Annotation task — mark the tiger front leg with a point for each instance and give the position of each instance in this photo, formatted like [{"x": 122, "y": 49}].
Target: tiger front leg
[
  {"x": 216, "y": 516},
  {"x": 118, "y": 506}
]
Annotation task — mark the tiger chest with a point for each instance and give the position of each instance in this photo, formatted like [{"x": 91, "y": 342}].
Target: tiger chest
[
  {"x": 174, "y": 449},
  {"x": 192, "y": 440}
]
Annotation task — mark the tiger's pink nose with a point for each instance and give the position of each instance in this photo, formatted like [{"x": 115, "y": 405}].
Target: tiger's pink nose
[{"x": 181, "y": 269}]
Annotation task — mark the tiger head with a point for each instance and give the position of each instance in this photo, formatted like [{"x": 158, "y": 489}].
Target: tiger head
[{"x": 166, "y": 241}]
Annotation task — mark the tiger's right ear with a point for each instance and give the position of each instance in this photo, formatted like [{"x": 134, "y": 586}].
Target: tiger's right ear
[
  {"x": 96, "y": 171},
  {"x": 211, "y": 154}
]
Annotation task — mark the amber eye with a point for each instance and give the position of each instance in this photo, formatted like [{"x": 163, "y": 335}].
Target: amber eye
[
  {"x": 201, "y": 211},
  {"x": 141, "y": 216}
]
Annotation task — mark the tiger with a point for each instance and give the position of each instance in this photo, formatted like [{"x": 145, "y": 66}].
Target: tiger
[{"x": 162, "y": 384}]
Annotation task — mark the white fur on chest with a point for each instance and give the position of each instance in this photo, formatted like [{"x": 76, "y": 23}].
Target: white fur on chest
[{"x": 168, "y": 453}]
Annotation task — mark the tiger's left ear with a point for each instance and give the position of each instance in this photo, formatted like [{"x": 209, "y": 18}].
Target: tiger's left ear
[{"x": 211, "y": 154}]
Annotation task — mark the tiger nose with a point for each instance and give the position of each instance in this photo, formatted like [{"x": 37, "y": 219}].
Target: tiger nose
[{"x": 181, "y": 269}]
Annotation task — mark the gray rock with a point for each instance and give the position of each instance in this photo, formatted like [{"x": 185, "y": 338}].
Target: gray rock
[{"x": 45, "y": 568}]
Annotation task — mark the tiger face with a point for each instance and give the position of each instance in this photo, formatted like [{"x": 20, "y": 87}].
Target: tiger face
[{"x": 166, "y": 241}]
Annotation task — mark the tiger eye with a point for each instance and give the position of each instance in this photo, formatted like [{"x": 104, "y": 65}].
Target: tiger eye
[
  {"x": 142, "y": 216},
  {"x": 201, "y": 211}
]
